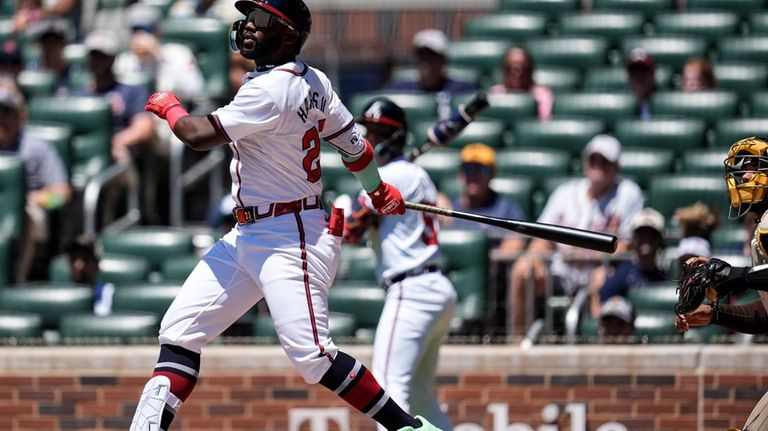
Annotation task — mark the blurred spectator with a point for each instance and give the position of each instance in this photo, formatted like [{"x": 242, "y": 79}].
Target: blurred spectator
[
  {"x": 478, "y": 167},
  {"x": 30, "y": 11},
  {"x": 11, "y": 63},
  {"x": 641, "y": 78},
  {"x": 600, "y": 202},
  {"x": 517, "y": 68},
  {"x": 698, "y": 75},
  {"x": 642, "y": 268},
  {"x": 430, "y": 48},
  {"x": 52, "y": 35},
  {"x": 220, "y": 9},
  {"x": 689, "y": 247},
  {"x": 46, "y": 177},
  {"x": 84, "y": 258},
  {"x": 171, "y": 66},
  {"x": 616, "y": 320},
  {"x": 696, "y": 222}
]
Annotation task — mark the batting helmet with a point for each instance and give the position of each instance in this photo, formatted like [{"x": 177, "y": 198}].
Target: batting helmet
[
  {"x": 384, "y": 112},
  {"x": 293, "y": 13},
  {"x": 746, "y": 175}
]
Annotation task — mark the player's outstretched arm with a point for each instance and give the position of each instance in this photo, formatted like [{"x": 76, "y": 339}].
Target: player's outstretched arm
[{"x": 198, "y": 133}]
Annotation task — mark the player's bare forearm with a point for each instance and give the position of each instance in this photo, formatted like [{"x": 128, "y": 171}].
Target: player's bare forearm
[{"x": 198, "y": 133}]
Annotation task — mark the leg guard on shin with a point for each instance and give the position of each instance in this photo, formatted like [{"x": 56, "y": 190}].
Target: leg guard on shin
[{"x": 156, "y": 402}]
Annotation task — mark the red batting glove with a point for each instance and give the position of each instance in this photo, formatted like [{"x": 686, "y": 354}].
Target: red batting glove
[
  {"x": 387, "y": 200},
  {"x": 161, "y": 102}
]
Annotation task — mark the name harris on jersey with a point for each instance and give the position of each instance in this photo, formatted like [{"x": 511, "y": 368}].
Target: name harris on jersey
[{"x": 312, "y": 101}]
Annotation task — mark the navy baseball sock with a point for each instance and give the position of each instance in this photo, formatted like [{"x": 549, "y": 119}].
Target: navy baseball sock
[
  {"x": 355, "y": 384},
  {"x": 181, "y": 367}
]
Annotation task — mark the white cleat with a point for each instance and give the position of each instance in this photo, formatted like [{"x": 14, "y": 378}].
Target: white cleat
[{"x": 155, "y": 399}]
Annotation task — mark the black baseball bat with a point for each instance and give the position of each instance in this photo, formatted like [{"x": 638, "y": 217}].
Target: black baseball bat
[
  {"x": 561, "y": 234},
  {"x": 444, "y": 131}
]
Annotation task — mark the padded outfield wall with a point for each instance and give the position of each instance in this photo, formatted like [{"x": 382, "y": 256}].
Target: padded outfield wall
[{"x": 490, "y": 388}]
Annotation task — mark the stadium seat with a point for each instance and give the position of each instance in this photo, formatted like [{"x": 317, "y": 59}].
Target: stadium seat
[
  {"x": 357, "y": 263},
  {"x": 679, "y": 134},
  {"x": 13, "y": 196},
  {"x": 113, "y": 268},
  {"x": 332, "y": 168},
  {"x": 612, "y": 25},
  {"x": 643, "y": 163},
  {"x": 557, "y": 78},
  {"x": 706, "y": 161},
  {"x": 147, "y": 298},
  {"x": 758, "y": 103},
  {"x": 743, "y": 48},
  {"x": 466, "y": 254},
  {"x": 341, "y": 325},
  {"x": 743, "y": 78},
  {"x": 60, "y": 135},
  {"x": 6, "y": 266},
  {"x": 614, "y": 78},
  {"x": 519, "y": 188},
  {"x": 440, "y": 163},
  {"x": 538, "y": 163},
  {"x": 90, "y": 119},
  {"x": 730, "y": 130},
  {"x": 49, "y": 300},
  {"x": 758, "y": 22},
  {"x": 471, "y": 74},
  {"x": 659, "y": 296},
  {"x": 552, "y": 8},
  {"x": 122, "y": 325},
  {"x": 581, "y": 52},
  {"x": 606, "y": 106},
  {"x": 16, "y": 324},
  {"x": 647, "y": 7},
  {"x": 484, "y": 55},
  {"x": 417, "y": 106},
  {"x": 657, "y": 326},
  {"x": 708, "y": 105},
  {"x": 364, "y": 300},
  {"x": 205, "y": 36},
  {"x": 178, "y": 268},
  {"x": 743, "y": 7},
  {"x": 34, "y": 83},
  {"x": 709, "y": 334},
  {"x": 672, "y": 50},
  {"x": 712, "y": 25},
  {"x": 570, "y": 134},
  {"x": 155, "y": 243},
  {"x": 729, "y": 237},
  {"x": 507, "y": 107},
  {"x": 516, "y": 26},
  {"x": 666, "y": 193},
  {"x": 488, "y": 131}
]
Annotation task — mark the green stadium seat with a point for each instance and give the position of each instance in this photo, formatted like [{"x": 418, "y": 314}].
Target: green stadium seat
[
  {"x": 364, "y": 300},
  {"x": 484, "y": 55},
  {"x": 557, "y": 78},
  {"x": 712, "y": 25},
  {"x": 440, "y": 163},
  {"x": 656, "y": 325},
  {"x": 6, "y": 28},
  {"x": 357, "y": 263},
  {"x": 348, "y": 186},
  {"x": 113, "y": 268},
  {"x": 155, "y": 243},
  {"x": 552, "y": 8},
  {"x": 538, "y": 163},
  {"x": 90, "y": 119},
  {"x": 706, "y": 161},
  {"x": 16, "y": 324},
  {"x": 207, "y": 38},
  {"x": 466, "y": 254},
  {"x": 147, "y": 298},
  {"x": 13, "y": 196},
  {"x": 730, "y": 237},
  {"x": 59, "y": 135},
  {"x": 332, "y": 168},
  {"x": 613, "y": 25},
  {"x": 519, "y": 188},
  {"x": 341, "y": 325},
  {"x": 679, "y": 134},
  {"x": 122, "y": 325},
  {"x": 643, "y": 163},
  {"x": 606, "y": 106},
  {"x": 659, "y": 296},
  {"x": 471, "y": 74},
  {"x": 647, "y": 7},
  {"x": 506, "y": 107},
  {"x": 581, "y": 52},
  {"x": 588, "y": 328},
  {"x": 34, "y": 83},
  {"x": 417, "y": 106},
  {"x": 743, "y": 78},
  {"x": 570, "y": 134},
  {"x": 672, "y": 50},
  {"x": 743, "y": 48},
  {"x": 709, "y": 334},
  {"x": 488, "y": 131},
  {"x": 614, "y": 78},
  {"x": 758, "y": 103},
  {"x": 743, "y": 7},
  {"x": 6, "y": 267},
  {"x": 758, "y": 22},
  {"x": 666, "y": 193},
  {"x": 178, "y": 268},
  {"x": 49, "y": 300},
  {"x": 709, "y": 105},
  {"x": 730, "y": 130},
  {"x": 517, "y": 26}
]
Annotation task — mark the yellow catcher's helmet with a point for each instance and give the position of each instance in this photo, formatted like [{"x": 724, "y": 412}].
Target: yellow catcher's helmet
[{"x": 746, "y": 174}]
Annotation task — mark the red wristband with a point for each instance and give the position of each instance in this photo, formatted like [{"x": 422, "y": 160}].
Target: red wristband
[{"x": 173, "y": 115}]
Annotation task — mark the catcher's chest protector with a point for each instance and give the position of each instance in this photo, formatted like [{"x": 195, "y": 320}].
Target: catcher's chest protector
[{"x": 759, "y": 254}]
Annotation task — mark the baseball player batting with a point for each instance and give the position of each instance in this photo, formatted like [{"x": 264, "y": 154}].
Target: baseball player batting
[
  {"x": 284, "y": 247},
  {"x": 420, "y": 300}
]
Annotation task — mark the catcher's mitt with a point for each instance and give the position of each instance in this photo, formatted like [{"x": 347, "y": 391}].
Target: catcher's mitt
[{"x": 696, "y": 279}]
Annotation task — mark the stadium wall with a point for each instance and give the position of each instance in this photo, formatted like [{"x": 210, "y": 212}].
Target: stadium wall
[{"x": 490, "y": 388}]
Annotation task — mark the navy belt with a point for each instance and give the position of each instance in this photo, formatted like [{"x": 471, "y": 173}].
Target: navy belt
[{"x": 412, "y": 273}]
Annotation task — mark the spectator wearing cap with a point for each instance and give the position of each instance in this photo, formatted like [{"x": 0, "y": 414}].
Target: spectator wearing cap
[
  {"x": 642, "y": 268},
  {"x": 696, "y": 224},
  {"x": 52, "y": 35},
  {"x": 602, "y": 202},
  {"x": 84, "y": 258},
  {"x": 616, "y": 320},
  {"x": 172, "y": 66},
  {"x": 47, "y": 183},
  {"x": 517, "y": 68},
  {"x": 430, "y": 48},
  {"x": 11, "y": 63},
  {"x": 641, "y": 78},
  {"x": 478, "y": 168}
]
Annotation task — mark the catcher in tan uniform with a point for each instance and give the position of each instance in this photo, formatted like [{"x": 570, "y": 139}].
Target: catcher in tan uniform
[{"x": 746, "y": 177}]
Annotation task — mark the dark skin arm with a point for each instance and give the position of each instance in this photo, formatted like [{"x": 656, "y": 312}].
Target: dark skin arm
[{"x": 198, "y": 133}]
